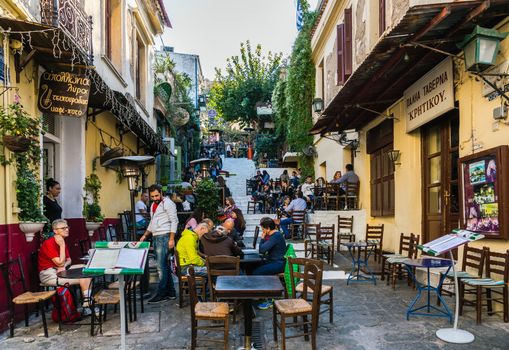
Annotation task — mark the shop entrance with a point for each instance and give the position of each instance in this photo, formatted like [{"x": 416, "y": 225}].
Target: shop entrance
[{"x": 440, "y": 153}]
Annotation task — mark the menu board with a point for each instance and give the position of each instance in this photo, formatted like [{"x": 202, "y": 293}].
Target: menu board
[{"x": 482, "y": 192}]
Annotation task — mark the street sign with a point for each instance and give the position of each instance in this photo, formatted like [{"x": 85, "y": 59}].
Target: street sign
[
  {"x": 212, "y": 113},
  {"x": 63, "y": 94}
]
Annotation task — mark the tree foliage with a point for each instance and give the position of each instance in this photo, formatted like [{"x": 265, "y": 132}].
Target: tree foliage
[
  {"x": 299, "y": 93},
  {"x": 248, "y": 79}
]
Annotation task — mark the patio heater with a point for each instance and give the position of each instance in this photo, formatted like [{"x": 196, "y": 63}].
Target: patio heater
[
  {"x": 130, "y": 167},
  {"x": 204, "y": 166},
  {"x": 249, "y": 130}
]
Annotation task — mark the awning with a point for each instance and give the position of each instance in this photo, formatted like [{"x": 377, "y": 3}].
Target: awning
[
  {"x": 53, "y": 49},
  {"x": 384, "y": 75},
  {"x": 291, "y": 157}
]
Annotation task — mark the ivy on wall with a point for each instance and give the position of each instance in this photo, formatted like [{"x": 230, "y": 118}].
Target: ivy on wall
[{"x": 298, "y": 92}]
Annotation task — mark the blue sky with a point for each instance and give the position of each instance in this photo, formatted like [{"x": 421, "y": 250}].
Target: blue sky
[{"x": 214, "y": 29}]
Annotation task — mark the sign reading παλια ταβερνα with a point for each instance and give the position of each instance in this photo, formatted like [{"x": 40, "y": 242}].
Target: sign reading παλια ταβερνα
[
  {"x": 429, "y": 97},
  {"x": 63, "y": 94}
]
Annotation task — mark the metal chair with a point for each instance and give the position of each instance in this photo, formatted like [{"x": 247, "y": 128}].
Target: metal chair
[
  {"x": 206, "y": 311},
  {"x": 13, "y": 274}
]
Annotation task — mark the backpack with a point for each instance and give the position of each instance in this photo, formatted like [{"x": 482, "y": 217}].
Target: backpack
[{"x": 68, "y": 311}]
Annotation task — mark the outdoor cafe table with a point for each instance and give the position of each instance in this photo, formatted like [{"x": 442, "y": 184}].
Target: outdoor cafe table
[
  {"x": 428, "y": 263},
  {"x": 247, "y": 289},
  {"x": 358, "y": 262}
]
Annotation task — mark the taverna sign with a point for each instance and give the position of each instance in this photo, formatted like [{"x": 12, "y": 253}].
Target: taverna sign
[{"x": 429, "y": 97}]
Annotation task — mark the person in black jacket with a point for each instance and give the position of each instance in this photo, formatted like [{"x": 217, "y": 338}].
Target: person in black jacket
[
  {"x": 52, "y": 210},
  {"x": 217, "y": 242}
]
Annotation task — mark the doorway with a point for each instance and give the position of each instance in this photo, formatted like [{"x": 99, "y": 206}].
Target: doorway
[{"x": 440, "y": 153}]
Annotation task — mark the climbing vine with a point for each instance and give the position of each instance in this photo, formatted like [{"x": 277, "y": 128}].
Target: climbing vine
[{"x": 294, "y": 118}]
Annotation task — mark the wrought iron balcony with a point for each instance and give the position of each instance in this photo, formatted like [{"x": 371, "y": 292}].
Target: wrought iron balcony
[{"x": 69, "y": 16}]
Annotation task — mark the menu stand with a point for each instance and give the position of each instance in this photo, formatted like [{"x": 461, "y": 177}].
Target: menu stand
[
  {"x": 93, "y": 268},
  {"x": 440, "y": 246}
]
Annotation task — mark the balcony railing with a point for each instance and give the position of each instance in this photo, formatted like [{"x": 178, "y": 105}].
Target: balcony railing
[{"x": 69, "y": 16}]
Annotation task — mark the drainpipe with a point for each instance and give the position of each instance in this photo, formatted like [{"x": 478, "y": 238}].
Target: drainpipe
[{"x": 7, "y": 182}]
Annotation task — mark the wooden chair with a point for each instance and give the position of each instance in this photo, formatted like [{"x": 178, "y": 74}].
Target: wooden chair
[
  {"x": 13, "y": 275},
  {"x": 312, "y": 283},
  {"x": 395, "y": 262},
  {"x": 496, "y": 264},
  {"x": 319, "y": 195},
  {"x": 249, "y": 187},
  {"x": 326, "y": 289},
  {"x": 252, "y": 207},
  {"x": 403, "y": 250},
  {"x": 332, "y": 196},
  {"x": 299, "y": 219},
  {"x": 375, "y": 235},
  {"x": 222, "y": 265},
  {"x": 84, "y": 245},
  {"x": 350, "y": 197},
  {"x": 184, "y": 286},
  {"x": 206, "y": 311},
  {"x": 323, "y": 246},
  {"x": 473, "y": 260},
  {"x": 255, "y": 237},
  {"x": 310, "y": 231},
  {"x": 345, "y": 230}
]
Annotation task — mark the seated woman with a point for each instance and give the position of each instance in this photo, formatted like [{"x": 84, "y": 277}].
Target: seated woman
[
  {"x": 196, "y": 217},
  {"x": 273, "y": 247},
  {"x": 337, "y": 176},
  {"x": 229, "y": 207}
]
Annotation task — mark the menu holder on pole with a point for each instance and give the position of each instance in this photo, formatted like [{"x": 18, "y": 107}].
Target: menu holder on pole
[
  {"x": 440, "y": 246},
  {"x": 119, "y": 258}
]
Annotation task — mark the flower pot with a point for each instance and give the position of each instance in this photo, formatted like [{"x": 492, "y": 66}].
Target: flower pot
[
  {"x": 30, "y": 229},
  {"x": 16, "y": 143},
  {"x": 92, "y": 226}
]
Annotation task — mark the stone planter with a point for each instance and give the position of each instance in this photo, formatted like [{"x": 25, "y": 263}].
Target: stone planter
[
  {"x": 92, "y": 226},
  {"x": 30, "y": 229}
]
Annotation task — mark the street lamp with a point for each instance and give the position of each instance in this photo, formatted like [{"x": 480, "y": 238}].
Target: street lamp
[
  {"x": 130, "y": 167},
  {"x": 393, "y": 156},
  {"x": 480, "y": 48},
  {"x": 318, "y": 105}
]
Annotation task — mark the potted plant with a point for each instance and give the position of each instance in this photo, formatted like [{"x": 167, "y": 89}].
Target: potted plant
[
  {"x": 91, "y": 207},
  {"x": 207, "y": 195},
  {"x": 28, "y": 194},
  {"x": 20, "y": 133}
]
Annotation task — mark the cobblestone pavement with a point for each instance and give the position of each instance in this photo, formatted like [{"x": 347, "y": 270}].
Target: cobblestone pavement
[{"x": 365, "y": 317}]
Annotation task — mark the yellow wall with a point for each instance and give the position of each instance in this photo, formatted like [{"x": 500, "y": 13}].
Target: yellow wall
[{"x": 114, "y": 195}]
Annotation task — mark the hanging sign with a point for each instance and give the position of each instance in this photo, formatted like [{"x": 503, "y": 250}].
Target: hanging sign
[
  {"x": 63, "y": 94},
  {"x": 429, "y": 97}
]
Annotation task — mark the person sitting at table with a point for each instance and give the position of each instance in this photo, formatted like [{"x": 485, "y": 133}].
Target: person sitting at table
[
  {"x": 54, "y": 257},
  {"x": 284, "y": 176},
  {"x": 187, "y": 248},
  {"x": 281, "y": 210},
  {"x": 140, "y": 209},
  {"x": 218, "y": 242},
  {"x": 209, "y": 223},
  {"x": 335, "y": 179},
  {"x": 229, "y": 206},
  {"x": 261, "y": 196},
  {"x": 297, "y": 204},
  {"x": 349, "y": 177},
  {"x": 286, "y": 189},
  {"x": 308, "y": 188},
  {"x": 197, "y": 216},
  {"x": 240, "y": 222},
  {"x": 229, "y": 227},
  {"x": 295, "y": 179}
]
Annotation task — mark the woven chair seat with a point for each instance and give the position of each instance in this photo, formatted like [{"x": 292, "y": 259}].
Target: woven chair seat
[
  {"x": 33, "y": 297},
  {"x": 346, "y": 234},
  {"x": 397, "y": 260},
  {"x": 292, "y": 306},
  {"x": 484, "y": 282},
  {"x": 114, "y": 285},
  {"x": 373, "y": 241},
  {"x": 460, "y": 274},
  {"x": 325, "y": 289},
  {"x": 211, "y": 310},
  {"x": 107, "y": 296}
]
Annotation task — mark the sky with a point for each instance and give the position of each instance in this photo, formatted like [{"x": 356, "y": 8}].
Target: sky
[{"x": 214, "y": 29}]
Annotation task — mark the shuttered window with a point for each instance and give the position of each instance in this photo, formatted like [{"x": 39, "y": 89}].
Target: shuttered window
[
  {"x": 344, "y": 48},
  {"x": 107, "y": 22},
  {"x": 379, "y": 142}
]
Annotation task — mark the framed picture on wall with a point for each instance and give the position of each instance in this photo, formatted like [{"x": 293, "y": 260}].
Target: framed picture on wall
[{"x": 485, "y": 192}]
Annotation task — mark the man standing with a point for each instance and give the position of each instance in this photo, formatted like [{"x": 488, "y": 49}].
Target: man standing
[
  {"x": 162, "y": 227},
  {"x": 141, "y": 209}
]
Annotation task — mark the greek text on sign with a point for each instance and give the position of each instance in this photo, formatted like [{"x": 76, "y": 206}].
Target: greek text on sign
[
  {"x": 63, "y": 94},
  {"x": 429, "y": 97}
]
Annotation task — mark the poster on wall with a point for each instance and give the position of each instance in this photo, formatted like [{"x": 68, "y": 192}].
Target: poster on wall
[{"x": 483, "y": 192}]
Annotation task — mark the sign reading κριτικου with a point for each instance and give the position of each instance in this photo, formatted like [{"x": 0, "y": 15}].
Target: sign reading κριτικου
[
  {"x": 64, "y": 94},
  {"x": 429, "y": 97}
]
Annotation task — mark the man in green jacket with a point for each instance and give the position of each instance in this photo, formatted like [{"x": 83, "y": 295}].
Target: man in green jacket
[{"x": 187, "y": 249}]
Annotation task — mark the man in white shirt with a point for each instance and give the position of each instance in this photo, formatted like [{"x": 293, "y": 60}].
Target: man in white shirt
[
  {"x": 162, "y": 227},
  {"x": 141, "y": 209}
]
